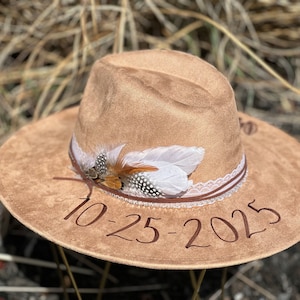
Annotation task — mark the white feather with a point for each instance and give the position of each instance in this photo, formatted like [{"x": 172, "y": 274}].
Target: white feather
[
  {"x": 85, "y": 160},
  {"x": 170, "y": 179},
  {"x": 186, "y": 158},
  {"x": 113, "y": 154}
]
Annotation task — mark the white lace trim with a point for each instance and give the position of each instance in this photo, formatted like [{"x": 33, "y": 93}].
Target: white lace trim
[
  {"x": 183, "y": 204},
  {"x": 229, "y": 180}
]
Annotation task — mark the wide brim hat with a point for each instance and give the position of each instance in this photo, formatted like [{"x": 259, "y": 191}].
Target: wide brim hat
[{"x": 156, "y": 169}]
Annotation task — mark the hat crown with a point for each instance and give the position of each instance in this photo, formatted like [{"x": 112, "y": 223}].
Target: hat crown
[{"x": 160, "y": 98}]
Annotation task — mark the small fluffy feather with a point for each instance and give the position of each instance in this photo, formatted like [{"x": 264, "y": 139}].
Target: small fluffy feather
[
  {"x": 85, "y": 160},
  {"x": 113, "y": 154}
]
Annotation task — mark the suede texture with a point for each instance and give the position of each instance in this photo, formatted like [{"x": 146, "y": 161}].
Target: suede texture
[
  {"x": 160, "y": 98},
  {"x": 260, "y": 219}
]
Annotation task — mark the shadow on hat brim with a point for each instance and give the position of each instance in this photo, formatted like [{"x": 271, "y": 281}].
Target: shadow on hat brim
[{"x": 259, "y": 220}]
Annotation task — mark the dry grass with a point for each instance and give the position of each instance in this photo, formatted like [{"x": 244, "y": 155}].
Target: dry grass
[{"x": 47, "y": 49}]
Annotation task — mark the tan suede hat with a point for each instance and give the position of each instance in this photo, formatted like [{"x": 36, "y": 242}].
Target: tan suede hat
[{"x": 157, "y": 169}]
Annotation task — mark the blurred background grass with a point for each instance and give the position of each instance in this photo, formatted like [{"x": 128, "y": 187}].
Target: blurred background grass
[{"x": 48, "y": 47}]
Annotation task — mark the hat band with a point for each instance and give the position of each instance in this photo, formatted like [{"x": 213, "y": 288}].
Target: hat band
[
  {"x": 198, "y": 194},
  {"x": 214, "y": 188}
]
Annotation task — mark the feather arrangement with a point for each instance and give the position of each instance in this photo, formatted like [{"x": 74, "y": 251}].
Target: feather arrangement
[{"x": 155, "y": 172}]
